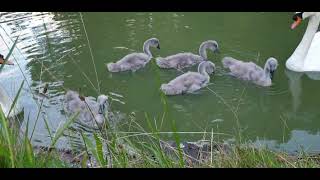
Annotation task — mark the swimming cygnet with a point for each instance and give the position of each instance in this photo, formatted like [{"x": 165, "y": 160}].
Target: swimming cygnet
[
  {"x": 249, "y": 71},
  {"x": 135, "y": 61},
  {"x": 191, "y": 81},
  {"x": 91, "y": 112},
  {"x": 187, "y": 59}
]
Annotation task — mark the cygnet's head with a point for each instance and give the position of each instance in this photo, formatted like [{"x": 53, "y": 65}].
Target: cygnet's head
[
  {"x": 271, "y": 66},
  {"x": 154, "y": 42},
  {"x": 211, "y": 68},
  {"x": 103, "y": 102},
  {"x": 212, "y": 45},
  {"x": 208, "y": 66}
]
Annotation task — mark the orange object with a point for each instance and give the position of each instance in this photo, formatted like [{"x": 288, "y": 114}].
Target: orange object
[
  {"x": 7, "y": 62},
  {"x": 296, "y": 23}
]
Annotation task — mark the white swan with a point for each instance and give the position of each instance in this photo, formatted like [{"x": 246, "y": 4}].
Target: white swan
[
  {"x": 306, "y": 57},
  {"x": 5, "y": 101},
  {"x": 191, "y": 81},
  {"x": 135, "y": 61},
  {"x": 183, "y": 60},
  {"x": 91, "y": 112},
  {"x": 249, "y": 71}
]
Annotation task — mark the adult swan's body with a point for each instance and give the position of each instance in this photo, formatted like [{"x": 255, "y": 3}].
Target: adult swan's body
[
  {"x": 306, "y": 57},
  {"x": 5, "y": 101}
]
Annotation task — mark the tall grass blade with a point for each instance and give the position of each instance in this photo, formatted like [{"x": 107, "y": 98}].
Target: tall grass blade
[
  {"x": 92, "y": 58},
  {"x": 99, "y": 150},
  {"x": 91, "y": 148},
  {"x": 177, "y": 140},
  {"x": 84, "y": 160},
  {"x": 15, "y": 99},
  {"x": 28, "y": 154},
  {"x": 48, "y": 128},
  {"x": 6, "y": 133},
  {"x": 60, "y": 131}
]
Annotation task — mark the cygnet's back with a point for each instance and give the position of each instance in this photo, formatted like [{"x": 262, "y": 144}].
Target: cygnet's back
[
  {"x": 179, "y": 61},
  {"x": 187, "y": 59},
  {"x": 135, "y": 61}
]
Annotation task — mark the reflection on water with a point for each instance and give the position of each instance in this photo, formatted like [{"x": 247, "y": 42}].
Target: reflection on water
[
  {"x": 52, "y": 48},
  {"x": 299, "y": 141},
  {"x": 313, "y": 75},
  {"x": 295, "y": 88}
]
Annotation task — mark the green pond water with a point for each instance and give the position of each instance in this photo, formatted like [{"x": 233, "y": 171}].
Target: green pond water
[{"x": 53, "y": 48}]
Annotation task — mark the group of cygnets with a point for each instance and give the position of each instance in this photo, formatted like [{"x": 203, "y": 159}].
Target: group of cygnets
[
  {"x": 94, "y": 110},
  {"x": 192, "y": 81}
]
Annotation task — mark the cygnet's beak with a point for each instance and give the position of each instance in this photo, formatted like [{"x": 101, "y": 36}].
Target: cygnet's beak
[
  {"x": 101, "y": 108},
  {"x": 271, "y": 74},
  {"x": 217, "y": 50},
  {"x": 158, "y": 46}
]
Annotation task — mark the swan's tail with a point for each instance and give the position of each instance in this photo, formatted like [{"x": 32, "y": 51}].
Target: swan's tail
[
  {"x": 161, "y": 62},
  {"x": 169, "y": 90},
  {"x": 228, "y": 61},
  {"x": 113, "y": 67}
]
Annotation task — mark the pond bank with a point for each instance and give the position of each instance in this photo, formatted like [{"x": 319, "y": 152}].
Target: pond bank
[{"x": 197, "y": 154}]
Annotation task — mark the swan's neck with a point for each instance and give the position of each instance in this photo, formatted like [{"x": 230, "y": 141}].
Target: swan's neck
[
  {"x": 146, "y": 49},
  {"x": 296, "y": 60},
  {"x": 203, "y": 51},
  {"x": 202, "y": 71},
  {"x": 4, "y": 102}
]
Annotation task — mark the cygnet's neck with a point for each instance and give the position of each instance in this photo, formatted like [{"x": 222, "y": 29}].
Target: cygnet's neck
[
  {"x": 203, "y": 50},
  {"x": 267, "y": 70},
  {"x": 146, "y": 48},
  {"x": 202, "y": 70}
]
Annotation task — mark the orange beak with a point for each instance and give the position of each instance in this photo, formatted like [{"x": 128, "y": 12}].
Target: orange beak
[
  {"x": 296, "y": 23},
  {"x": 7, "y": 62}
]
